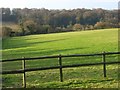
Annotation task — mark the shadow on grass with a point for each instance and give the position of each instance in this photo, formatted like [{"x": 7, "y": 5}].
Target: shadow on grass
[
  {"x": 41, "y": 52},
  {"x": 24, "y": 43},
  {"x": 55, "y": 52}
]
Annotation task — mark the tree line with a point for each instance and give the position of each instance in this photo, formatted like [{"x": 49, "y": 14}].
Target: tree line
[{"x": 42, "y": 21}]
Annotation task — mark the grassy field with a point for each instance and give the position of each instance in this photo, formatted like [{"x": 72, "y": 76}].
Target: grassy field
[{"x": 83, "y": 42}]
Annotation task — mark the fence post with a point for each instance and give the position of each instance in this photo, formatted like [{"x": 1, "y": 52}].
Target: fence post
[
  {"x": 104, "y": 64},
  {"x": 60, "y": 63},
  {"x": 24, "y": 76}
]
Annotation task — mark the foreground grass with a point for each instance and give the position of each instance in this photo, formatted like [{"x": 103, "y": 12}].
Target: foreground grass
[
  {"x": 83, "y": 77},
  {"x": 63, "y": 43}
]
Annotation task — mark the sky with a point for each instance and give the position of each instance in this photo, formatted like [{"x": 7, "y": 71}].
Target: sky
[{"x": 60, "y": 4}]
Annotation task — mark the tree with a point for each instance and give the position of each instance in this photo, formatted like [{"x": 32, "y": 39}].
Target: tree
[
  {"x": 46, "y": 28},
  {"x": 34, "y": 20},
  {"x": 30, "y": 26},
  {"x": 6, "y": 31},
  {"x": 90, "y": 18},
  {"x": 21, "y": 23}
]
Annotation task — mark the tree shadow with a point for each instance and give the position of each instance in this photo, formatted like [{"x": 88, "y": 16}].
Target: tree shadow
[
  {"x": 59, "y": 51},
  {"x": 24, "y": 43}
]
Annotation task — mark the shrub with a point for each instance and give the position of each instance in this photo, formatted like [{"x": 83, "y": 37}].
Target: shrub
[
  {"x": 6, "y": 31},
  {"x": 77, "y": 27},
  {"x": 102, "y": 25}
]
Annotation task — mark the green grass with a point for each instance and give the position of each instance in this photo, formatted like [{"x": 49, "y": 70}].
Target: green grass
[
  {"x": 63, "y": 43},
  {"x": 83, "y": 42}
]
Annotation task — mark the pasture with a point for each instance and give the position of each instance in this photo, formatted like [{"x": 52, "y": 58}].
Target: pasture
[{"x": 83, "y": 42}]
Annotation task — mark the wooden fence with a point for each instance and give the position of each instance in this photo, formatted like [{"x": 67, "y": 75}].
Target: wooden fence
[{"x": 24, "y": 70}]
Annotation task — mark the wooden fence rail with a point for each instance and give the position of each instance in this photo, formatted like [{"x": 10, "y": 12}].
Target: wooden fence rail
[
  {"x": 24, "y": 70},
  {"x": 57, "y": 56}
]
